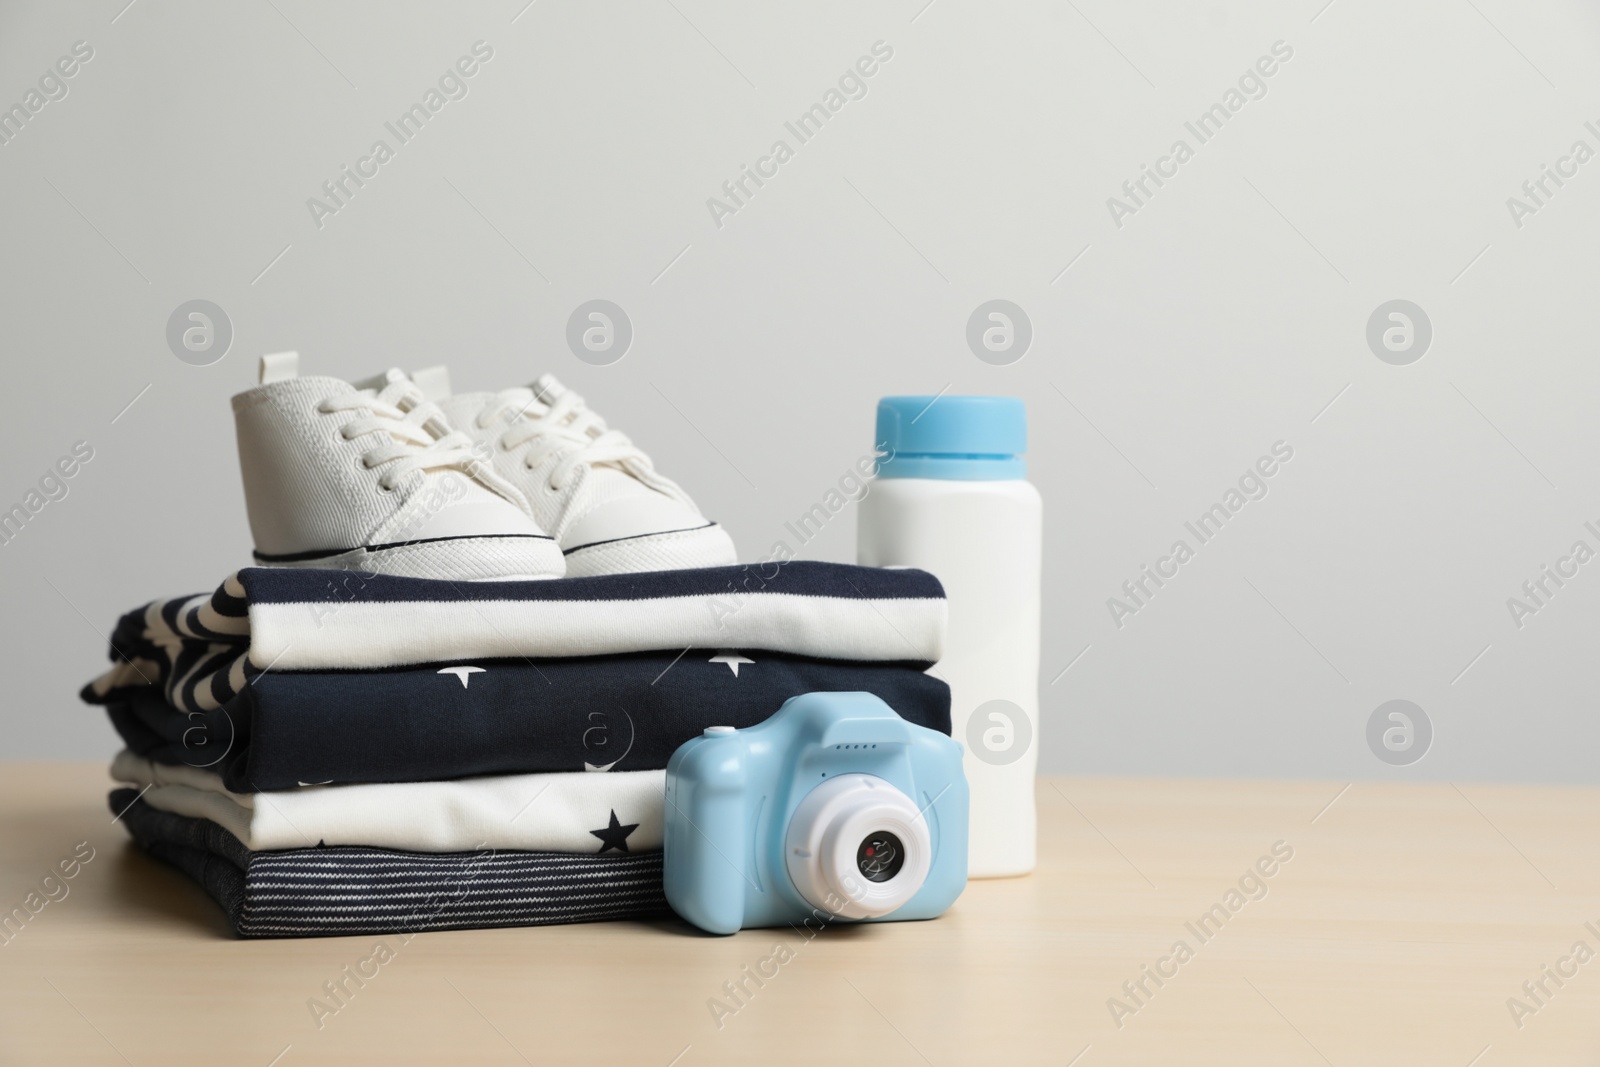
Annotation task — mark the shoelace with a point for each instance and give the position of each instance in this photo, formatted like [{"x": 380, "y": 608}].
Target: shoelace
[
  {"x": 567, "y": 426},
  {"x": 414, "y": 429}
]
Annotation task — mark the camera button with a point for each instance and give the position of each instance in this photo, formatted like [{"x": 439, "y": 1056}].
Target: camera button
[{"x": 715, "y": 731}]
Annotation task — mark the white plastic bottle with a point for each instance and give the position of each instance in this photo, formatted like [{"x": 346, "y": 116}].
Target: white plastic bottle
[{"x": 952, "y": 498}]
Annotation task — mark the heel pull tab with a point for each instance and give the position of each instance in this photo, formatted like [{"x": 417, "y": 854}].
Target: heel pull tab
[{"x": 279, "y": 367}]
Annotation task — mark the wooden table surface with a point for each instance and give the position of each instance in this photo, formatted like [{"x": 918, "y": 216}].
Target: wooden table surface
[{"x": 1403, "y": 922}]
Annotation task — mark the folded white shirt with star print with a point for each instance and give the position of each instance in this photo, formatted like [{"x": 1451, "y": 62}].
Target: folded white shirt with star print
[{"x": 578, "y": 812}]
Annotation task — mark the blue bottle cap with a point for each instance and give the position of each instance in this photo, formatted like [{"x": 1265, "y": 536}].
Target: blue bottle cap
[{"x": 962, "y": 438}]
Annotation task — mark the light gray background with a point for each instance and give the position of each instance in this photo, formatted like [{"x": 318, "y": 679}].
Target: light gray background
[{"x": 1223, "y": 317}]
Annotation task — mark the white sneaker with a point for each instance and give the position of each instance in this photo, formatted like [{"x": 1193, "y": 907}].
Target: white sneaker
[
  {"x": 371, "y": 477},
  {"x": 592, "y": 488}
]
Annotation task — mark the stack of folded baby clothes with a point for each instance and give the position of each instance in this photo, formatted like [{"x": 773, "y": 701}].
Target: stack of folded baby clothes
[{"x": 377, "y": 732}]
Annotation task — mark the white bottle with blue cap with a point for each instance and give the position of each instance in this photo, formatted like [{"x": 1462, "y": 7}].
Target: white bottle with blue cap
[{"x": 952, "y": 498}]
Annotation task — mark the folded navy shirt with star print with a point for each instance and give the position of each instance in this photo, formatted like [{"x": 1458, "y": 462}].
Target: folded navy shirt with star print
[{"x": 496, "y": 716}]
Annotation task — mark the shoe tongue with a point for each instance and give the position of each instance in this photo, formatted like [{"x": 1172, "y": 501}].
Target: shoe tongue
[
  {"x": 433, "y": 381},
  {"x": 379, "y": 382},
  {"x": 547, "y": 390}
]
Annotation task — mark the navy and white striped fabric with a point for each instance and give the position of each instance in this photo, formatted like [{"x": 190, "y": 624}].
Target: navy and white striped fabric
[
  {"x": 329, "y": 892},
  {"x": 203, "y": 650}
]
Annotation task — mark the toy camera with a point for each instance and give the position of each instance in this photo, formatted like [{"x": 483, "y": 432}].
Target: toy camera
[{"x": 833, "y": 809}]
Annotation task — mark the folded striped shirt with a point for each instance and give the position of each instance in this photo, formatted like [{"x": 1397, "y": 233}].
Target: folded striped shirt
[
  {"x": 203, "y": 650},
  {"x": 581, "y": 812},
  {"x": 327, "y": 892},
  {"x": 414, "y": 724}
]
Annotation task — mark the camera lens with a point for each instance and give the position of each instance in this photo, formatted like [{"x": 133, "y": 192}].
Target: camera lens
[
  {"x": 880, "y": 856},
  {"x": 857, "y": 847}
]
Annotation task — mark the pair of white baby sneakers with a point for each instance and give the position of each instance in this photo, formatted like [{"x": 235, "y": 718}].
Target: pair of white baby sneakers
[{"x": 395, "y": 475}]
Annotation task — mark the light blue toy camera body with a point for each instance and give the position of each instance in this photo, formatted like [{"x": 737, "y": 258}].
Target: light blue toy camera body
[{"x": 731, "y": 796}]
